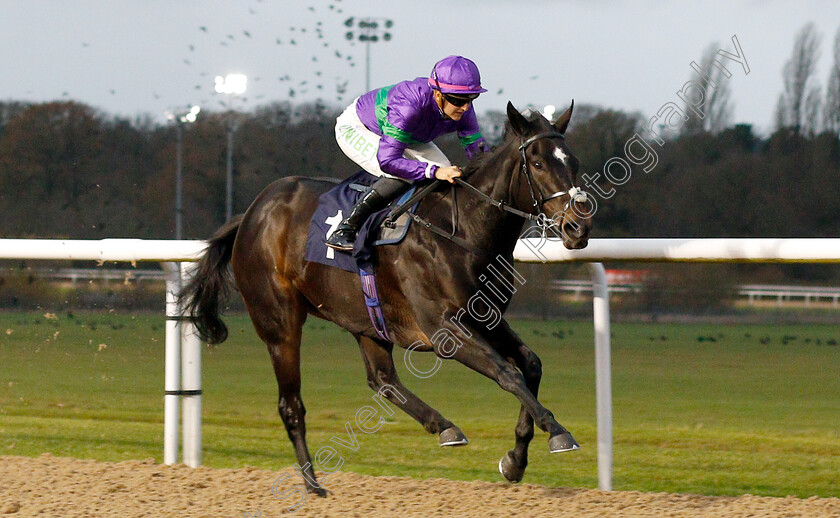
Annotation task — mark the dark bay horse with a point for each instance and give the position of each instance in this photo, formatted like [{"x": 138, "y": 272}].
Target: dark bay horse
[{"x": 428, "y": 284}]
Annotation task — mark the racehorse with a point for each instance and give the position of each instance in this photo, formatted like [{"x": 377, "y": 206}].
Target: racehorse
[{"x": 429, "y": 284}]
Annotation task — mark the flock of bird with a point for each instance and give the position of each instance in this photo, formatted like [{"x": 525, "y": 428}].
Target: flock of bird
[
  {"x": 328, "y": 78},
  {"x": 325, "y": 81},
  {"x": 297, "y": 39}
]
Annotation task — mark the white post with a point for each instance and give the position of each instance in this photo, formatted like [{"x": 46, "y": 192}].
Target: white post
[
  {"x": 191, "y": 386},
  {"x": 603, "y": 376},
  {"x": 172, "y": 369}
]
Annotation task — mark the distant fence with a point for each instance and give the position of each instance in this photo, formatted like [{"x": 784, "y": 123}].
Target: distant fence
[
  {"x": 75, "y": 275},
  {"x": 753, "y": 292},
  {"x": 808, "y": 294}
]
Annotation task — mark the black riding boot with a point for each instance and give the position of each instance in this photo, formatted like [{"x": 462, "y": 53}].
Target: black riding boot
[{"x": 345, "y": 235}]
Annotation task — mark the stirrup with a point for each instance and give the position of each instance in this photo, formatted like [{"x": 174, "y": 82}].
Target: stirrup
[{"x": 342, "y": 240}]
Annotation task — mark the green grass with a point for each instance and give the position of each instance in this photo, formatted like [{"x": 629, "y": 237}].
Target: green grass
[{"x": 697, "y": 408}]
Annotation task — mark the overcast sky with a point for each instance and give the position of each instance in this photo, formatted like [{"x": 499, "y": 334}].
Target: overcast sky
[{"x": 133, "y": 57}]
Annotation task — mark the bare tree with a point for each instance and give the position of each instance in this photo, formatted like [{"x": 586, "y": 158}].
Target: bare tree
[
  {"x": 831, "y": 113},
  {"x": 799, "y": 103},
  {"x": 717, "y": 110}
]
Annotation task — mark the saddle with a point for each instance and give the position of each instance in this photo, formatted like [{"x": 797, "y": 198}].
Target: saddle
[{"x": 334, "y": 205}]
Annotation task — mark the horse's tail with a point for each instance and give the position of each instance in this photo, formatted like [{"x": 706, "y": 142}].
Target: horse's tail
[{"x": 204, "y": 295}]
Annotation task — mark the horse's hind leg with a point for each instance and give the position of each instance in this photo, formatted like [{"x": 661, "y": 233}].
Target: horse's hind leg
[
  {"x": 279, "y": 322},
  {"x": 382, "y": 377}
]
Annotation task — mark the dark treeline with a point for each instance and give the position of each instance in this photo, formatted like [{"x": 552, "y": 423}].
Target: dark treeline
[
  {"x": 730, "y": 184},
  {"x": 67, "y": 171}
]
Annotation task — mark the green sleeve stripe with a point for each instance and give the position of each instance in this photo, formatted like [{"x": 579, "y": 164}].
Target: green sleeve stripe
[
  {"x": 469, "y": 139},
  {"x": 382, "y": 118}
]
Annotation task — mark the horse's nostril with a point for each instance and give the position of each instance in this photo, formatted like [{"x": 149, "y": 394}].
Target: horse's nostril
[{"x": 572, "y": 230}]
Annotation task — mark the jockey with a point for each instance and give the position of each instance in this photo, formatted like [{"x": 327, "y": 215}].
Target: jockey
[{"x": 389, "y": 133}]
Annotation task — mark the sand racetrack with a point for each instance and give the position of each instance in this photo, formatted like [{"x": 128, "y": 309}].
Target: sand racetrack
[{"x": 49, "y": 486}]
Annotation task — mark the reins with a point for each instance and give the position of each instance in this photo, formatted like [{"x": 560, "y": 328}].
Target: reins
[
  {"x": 499, "y": 204},
  {"x": 540, "y": 218}
]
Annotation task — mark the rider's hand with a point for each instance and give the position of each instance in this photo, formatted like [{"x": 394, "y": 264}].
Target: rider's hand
[{"x": 448, "y": 173}]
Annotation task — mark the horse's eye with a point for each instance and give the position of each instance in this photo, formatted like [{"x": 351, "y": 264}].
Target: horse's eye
[{"x": 538, "y": 165}]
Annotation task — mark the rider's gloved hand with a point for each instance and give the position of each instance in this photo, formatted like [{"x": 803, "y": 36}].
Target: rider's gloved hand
[{"x": 448, "y": 173}]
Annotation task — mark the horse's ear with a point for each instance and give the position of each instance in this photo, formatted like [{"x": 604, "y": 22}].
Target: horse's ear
[
  {"x": 518, "y": 122},
  {"x": 563, "y": 121}
]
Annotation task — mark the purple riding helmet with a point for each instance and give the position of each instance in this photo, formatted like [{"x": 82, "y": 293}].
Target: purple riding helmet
[{"x": 456, "y": 75}]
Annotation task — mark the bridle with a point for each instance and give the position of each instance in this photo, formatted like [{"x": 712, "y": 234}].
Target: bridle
[
  {"x": 537, "y": 198},
  {"x": 539, "y": 217},
  {"x": 575, "y": 193}
]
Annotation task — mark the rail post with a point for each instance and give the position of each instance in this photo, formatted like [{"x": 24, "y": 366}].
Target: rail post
[
  {"x": 190, "y": 384},
  {"x": 172, "y": 367},
  {"x": 603, "y": 374}
]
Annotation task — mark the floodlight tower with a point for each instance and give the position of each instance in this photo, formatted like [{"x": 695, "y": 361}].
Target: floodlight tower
[
  {"x": 368, "y": 30},
  {"x": 231, "y": 85},
  {"x": 180, "y": 117}
]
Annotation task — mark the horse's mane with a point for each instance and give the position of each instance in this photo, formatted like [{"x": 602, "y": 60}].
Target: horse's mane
[
  {"x": 507, "y": 137},
  {"x": 480, "y": 159}
]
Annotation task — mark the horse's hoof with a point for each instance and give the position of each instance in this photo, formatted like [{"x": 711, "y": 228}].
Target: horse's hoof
[
  {"x": 562, "y": 442},
  {"x": 320, "y": 491},
  {"x": 452, "y": 437},
  {"x": 509, "y": 469}
]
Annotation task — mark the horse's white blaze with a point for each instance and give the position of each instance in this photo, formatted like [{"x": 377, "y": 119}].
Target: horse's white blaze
[{"x": 561, "y": 156}]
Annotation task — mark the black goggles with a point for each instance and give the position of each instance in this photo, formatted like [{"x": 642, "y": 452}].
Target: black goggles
[
  {"x": 456, "y": 100},
  {"x": 459, "y": 100}
]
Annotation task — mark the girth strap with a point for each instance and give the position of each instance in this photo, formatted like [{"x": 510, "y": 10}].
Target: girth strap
[{"x": 374, "y": 307}]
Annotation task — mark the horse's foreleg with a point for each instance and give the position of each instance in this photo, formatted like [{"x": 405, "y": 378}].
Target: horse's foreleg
[
  {"x": 478, "y": 354},
  {"x": 382, "y": 378},
  {"x": 507, "y": 342}
]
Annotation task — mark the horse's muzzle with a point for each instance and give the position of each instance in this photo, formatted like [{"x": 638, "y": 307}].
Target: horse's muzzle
[{"x": 575, "y": 234}]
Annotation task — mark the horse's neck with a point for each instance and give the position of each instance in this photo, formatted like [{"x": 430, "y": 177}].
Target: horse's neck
[{"x": 483, "y": 224}]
